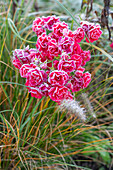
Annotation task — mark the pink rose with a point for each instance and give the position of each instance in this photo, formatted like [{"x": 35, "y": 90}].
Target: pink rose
[
  {"x": 81, "y": 80},
  {"x": 58, "y": 78},
  {"x": 25, "y": 69},
  {"x": 36, "y": 92},
  {"x": 77, "y": 84},
  {"x": 77, "y": 59},
  {"x": 67, "y": 65},
  {"x": 59, "y": 93},
  {"x": 58, "y": 28},
  {"x": 86, "y": 26},
  {"x": 76, "y": 49},
  {"x": 44, "y": 88},
  {"x": 79, "y": 72},
  {"x": 20, "y": 57},
  {"x": 55, "y": 64},
  {"x": 64, "y": 56},
  {"x": 42, "y": 44},
  {"x": 94, "y": 34},
  {"x": 36, "y": 77},
  {"x": 34, "y": 57},
  {"x": 66, "y": 44},
  {"x": 53, "y": 49},
  {"x": 54, "y": 36},
  {"x": 17, "y": 63},
  {"x": 38, "y": 26},
  {"x": 79, "y": 35},
  {"x": 92, "y": 31},
  {"x": 50, "y": 21},
  {"x": 67, "y": 33},
  {"x": 85, "y": 55},
  {"x": 86, "y": 79}
]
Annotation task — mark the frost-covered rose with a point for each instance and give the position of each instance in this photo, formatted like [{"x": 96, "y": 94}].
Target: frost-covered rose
[
  {"x": 42, "y": 44},
  {"x": 86, "y": 26},
  {"x": 44, "y": 88},
  {"x": 91, "y": 30},
  {"x": 17, "y": 63},
  {"x": 36, "y": 92},
  {"x": 20, "y": 57},
  {"x": 55, "y": 64},
  {"x": 79, "y": 35},
  {"x": 76, "y": 49},
  {"x": 58, "y": 28},
  {"x": 25, "y": 69},
  {"x": 66, "y": 44},
  {"x": 86, "y": 56},
  {"x": 81, "y": 80},
  {"x": 77, "y": 83},
  {"x": 59, "y": 93},
  {"x": 36, "y": 77},
  {"x": 86, "y": 79},
  {"x": 79, "y": 72},
  {"x": 50, "y": 21},
  {"x": 77, "y": 59},
  {"x": 53, "y": 49},
  {"x": 37, "y": 27},
  {"x": 94, "y": 34},
  {"x": 67, "y": 65},
  {"x": 58, "y": 78}
]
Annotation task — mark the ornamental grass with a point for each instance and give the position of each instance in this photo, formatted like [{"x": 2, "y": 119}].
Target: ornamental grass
[{"x": 55, "y": 87}]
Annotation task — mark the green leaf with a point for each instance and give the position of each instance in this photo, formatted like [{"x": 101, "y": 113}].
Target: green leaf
[{"x": 104, "y": 154}]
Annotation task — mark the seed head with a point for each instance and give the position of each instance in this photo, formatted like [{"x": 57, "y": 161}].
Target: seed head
[
  {"x": 88, "y": 105},
  {"x": 73, "y": 107}
]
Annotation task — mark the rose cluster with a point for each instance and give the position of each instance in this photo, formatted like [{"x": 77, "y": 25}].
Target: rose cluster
[{"x": 55, "y": 67}]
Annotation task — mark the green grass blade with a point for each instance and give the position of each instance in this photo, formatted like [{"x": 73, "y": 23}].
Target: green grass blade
[
  {"x": 15, "y": 31},
  {"x": 67, "y": 12}
]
